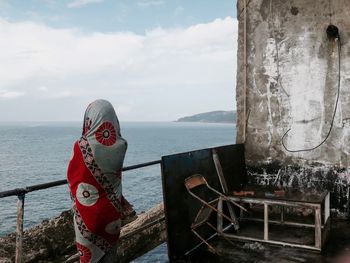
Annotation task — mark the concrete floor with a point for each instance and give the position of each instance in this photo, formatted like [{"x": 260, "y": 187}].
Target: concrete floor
[{"x": 336, "y": 250}]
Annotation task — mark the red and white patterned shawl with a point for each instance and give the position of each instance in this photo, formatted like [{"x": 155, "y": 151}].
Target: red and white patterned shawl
[{"x": 94, "y": 177}]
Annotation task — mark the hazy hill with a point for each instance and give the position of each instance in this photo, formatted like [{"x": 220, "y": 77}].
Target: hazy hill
[{"x": 213, "y": 116}]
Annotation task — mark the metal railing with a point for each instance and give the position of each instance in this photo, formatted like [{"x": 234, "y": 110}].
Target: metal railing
[{"x": 21, "y": 193}]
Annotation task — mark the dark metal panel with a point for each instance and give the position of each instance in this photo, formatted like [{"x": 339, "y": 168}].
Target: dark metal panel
[
  {"x": 180, "y": 207},
  {"x": 233, "y": 165}
]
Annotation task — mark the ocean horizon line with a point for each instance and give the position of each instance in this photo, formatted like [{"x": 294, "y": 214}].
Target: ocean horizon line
[{"x": 79, "y": 123}]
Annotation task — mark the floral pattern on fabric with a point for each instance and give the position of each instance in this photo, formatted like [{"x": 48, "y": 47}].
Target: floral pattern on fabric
[
  {"x": 106, "y": 134},
  {"x": 113, "y": 227},
  {"x": 87, "y": 194},
  {"x": 84, "y": 253},
  {"x": 98, "y": 241},
  {"x": 94, "y": 178},
  {"x": 97, "y": 173}
]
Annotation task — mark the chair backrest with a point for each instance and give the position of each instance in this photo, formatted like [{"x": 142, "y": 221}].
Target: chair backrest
[
  {"x": 194, "y": 181},
  {"x": 180, "y": 207}
]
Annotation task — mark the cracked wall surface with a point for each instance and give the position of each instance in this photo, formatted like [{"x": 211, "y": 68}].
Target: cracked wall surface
[{"x": 292, "y": 85}]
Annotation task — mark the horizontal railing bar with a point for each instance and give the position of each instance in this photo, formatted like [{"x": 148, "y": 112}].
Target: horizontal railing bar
[
  {"x": 44, "y": 186},
  {"x": 37, "y": 187},
  {"x": 136, "y": 166},
  {"x": 12, "y": 192}
]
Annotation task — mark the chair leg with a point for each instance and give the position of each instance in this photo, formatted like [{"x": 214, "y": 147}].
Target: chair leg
[
  {"x": 219, "y": 218},
  {"x": 234, "y": 221},
  {"x": 217, "y": 211},
  {"x": 211, "y": 248},
  {"x": 233, "y": 216},
  {"x": 221, "y": 235}
]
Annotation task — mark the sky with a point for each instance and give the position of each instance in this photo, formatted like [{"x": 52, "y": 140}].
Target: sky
[{"x": 154, "y": 60}]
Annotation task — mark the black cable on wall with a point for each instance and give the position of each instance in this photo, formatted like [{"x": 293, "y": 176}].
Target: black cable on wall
[{"x": 333, "y": 35}]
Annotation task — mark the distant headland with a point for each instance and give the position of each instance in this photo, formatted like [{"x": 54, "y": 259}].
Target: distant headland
[{"x": 211, "y": 117}]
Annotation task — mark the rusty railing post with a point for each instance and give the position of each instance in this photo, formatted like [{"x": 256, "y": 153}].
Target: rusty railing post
[{"x": 19, "y": 228}]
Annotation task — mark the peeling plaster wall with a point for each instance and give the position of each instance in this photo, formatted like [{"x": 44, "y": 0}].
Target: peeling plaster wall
[{"x": 292, "y": 84}]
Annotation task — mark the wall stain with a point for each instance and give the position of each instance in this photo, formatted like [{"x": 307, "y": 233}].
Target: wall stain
[
  {"x": 294, "y": 11},
  {"x": 335, "y": 180}
]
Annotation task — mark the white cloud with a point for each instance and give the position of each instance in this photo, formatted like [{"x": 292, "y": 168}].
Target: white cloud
[
  {"x": 124, "y": 108},
  {"x": 42, "y": 88},
  {"x": 4, "y": 94},
  {"x": 160, "y": 75},
  {"x": 147, "y": 3},
  {"x": 80, "y": 3}
]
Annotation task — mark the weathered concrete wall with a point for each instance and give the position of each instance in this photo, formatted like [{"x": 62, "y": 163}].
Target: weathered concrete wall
[{"x": 292, "y": 84}]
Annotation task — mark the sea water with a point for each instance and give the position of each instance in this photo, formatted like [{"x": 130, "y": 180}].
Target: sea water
[{"x": 35, "y": 153}]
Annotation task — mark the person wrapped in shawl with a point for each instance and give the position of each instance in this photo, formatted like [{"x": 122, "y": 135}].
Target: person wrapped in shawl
[{"x": 94, "y": 178}]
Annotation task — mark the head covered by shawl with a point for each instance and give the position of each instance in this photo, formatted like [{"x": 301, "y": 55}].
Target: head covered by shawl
[{"x": 94, "y": 177}]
